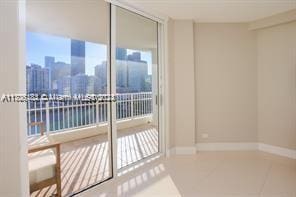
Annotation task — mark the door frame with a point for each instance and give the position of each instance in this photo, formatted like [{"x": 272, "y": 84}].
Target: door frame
[
  {"x": 163, "y": 83},
  {"x": 162, "y": 79}
]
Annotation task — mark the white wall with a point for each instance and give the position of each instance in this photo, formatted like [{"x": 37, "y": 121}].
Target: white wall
[
  {"x": 13, "y": 150},
  {"x": 226, "y": 82},
  {"x": 171, "y": 83},
  {"x": 182, "y": 58},
  {"x": 244, "y": 83},
  {"x": 213, "y": 83},
  {"x": 277, "y": 85}
]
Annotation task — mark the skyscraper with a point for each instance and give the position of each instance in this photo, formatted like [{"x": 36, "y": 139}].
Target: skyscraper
[
  {"x": 58, "y": 70},
  {"x": 121, "y": 53},
  {"x": 49, "y": 61},
  {"x": 77, "y": 57},
  {"x": 121, "y": 75},
  {"x": 64, "y": 85},
  {"x": 135, "y": 57},
  {"x": 92, "y": 85},
  {"x": 101, "y": 74},
  {"x": 38, "y": 79},
  {"x": 137, "y": 74},
  {"x": 79, "y": 84}
]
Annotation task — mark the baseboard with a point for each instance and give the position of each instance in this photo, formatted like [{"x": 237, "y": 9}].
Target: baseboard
[
  {"x": 180, "y": 150},
  {"x": 226, "y": 146},
  {"x": 171, "y": 151},
  {"x": 290, "y": 153},
  {"x": 277, "y": 150}
]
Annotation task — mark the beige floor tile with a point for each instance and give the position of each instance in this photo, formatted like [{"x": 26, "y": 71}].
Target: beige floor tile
[
  {"x": 207, "y": 174},
  {"x": 281, "y": 180}
]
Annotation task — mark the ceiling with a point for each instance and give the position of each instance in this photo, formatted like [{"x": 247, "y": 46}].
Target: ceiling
[
  {"x": 88, "y": 20},
  {"x": 219, "y": 11}
]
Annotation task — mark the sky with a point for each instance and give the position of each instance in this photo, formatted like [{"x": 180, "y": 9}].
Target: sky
[{"x": 39, "y": 45}]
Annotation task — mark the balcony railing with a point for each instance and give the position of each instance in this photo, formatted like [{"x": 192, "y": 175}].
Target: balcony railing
[{"x": 60, "y": 116}]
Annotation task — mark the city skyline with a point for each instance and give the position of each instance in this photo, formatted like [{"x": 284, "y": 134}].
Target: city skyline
[
  {"x": 60, "y": 48},
  {"x": 58, "y": 76}
]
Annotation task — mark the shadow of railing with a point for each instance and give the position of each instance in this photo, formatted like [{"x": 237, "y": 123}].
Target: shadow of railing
[{"x": 86, "y": 162}]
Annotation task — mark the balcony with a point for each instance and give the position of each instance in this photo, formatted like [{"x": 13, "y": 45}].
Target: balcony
[
  {"x": 64, "y": 116},
  {"x": 81, "y": 129}
]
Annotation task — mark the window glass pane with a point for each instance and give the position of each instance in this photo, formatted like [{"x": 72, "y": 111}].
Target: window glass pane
[
  {"x": 67, "y": 49},
  {"x": 136, "y": 87}
]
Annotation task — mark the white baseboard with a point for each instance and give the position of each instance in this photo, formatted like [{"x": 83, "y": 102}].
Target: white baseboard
[
  {"x": 290, "y": 153},
  {"x": 277, "y": 150},
  {"x": 180, "y": 150},
  {"x": 226, "y": 146},
  {"x": 171, "y": 151}
]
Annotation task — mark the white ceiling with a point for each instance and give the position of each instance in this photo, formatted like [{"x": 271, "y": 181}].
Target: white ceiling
[{"x": 216, "y": 10}]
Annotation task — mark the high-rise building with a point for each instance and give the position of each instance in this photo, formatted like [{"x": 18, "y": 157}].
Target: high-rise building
[
  {"x": 49, "y": 61},
  {"x": 121, "y": 53},
  {"x": 121, "y": 75},
  {"x": 38, "y": 79},
  {"x": 64, "y": 85},
  {"x": 101, "y": 74},
  {"x": 58, "y": 71},
  {"x": 135, "y": 57},
  {"x": 92, "y": 85},
  {"x": 131, "y": 73},
  {"x": 137, "y": 74},
  {"x": 79, "y": 84},
  {"x": 148, "y": 83},
  {"x": 77, "y": 57}
]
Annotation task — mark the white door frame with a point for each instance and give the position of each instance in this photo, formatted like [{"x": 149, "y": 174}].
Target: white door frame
[
  {"x": 162, "y": 82},
  {"x": 163, "y": 87},
  {"x": 113, "y": 88}
]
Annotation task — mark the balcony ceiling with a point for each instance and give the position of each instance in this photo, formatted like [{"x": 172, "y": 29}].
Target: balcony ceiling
[
  {"x": 220, "y": 11},
  {"x": 88, "y": 20}
]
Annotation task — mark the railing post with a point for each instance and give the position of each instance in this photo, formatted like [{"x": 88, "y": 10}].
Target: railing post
[
  {"x": 132, "y": 105},
  {"x": 97, "y": 112},
  {"x": 47, "y": 116}
]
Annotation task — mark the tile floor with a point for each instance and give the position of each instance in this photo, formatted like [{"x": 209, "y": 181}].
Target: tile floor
[{"x": 207, "y": 174}]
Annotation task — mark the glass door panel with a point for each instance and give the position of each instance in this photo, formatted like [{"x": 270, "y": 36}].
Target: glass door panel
[
  {"x": 136, "y": 71},
  {"x": 68, "y": 55}
]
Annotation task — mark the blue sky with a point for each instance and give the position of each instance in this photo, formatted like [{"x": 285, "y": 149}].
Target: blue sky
[{"x": 40, "y": 45}]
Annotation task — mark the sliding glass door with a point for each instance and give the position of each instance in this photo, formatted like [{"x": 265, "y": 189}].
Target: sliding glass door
[
  {"x": 136, "y": 76},
  {"x": 95, "y": 72},
  {"x": 68, "y": 57}
]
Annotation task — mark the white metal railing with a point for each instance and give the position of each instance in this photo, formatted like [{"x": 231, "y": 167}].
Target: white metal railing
[{"x": 60, "y": 116}]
